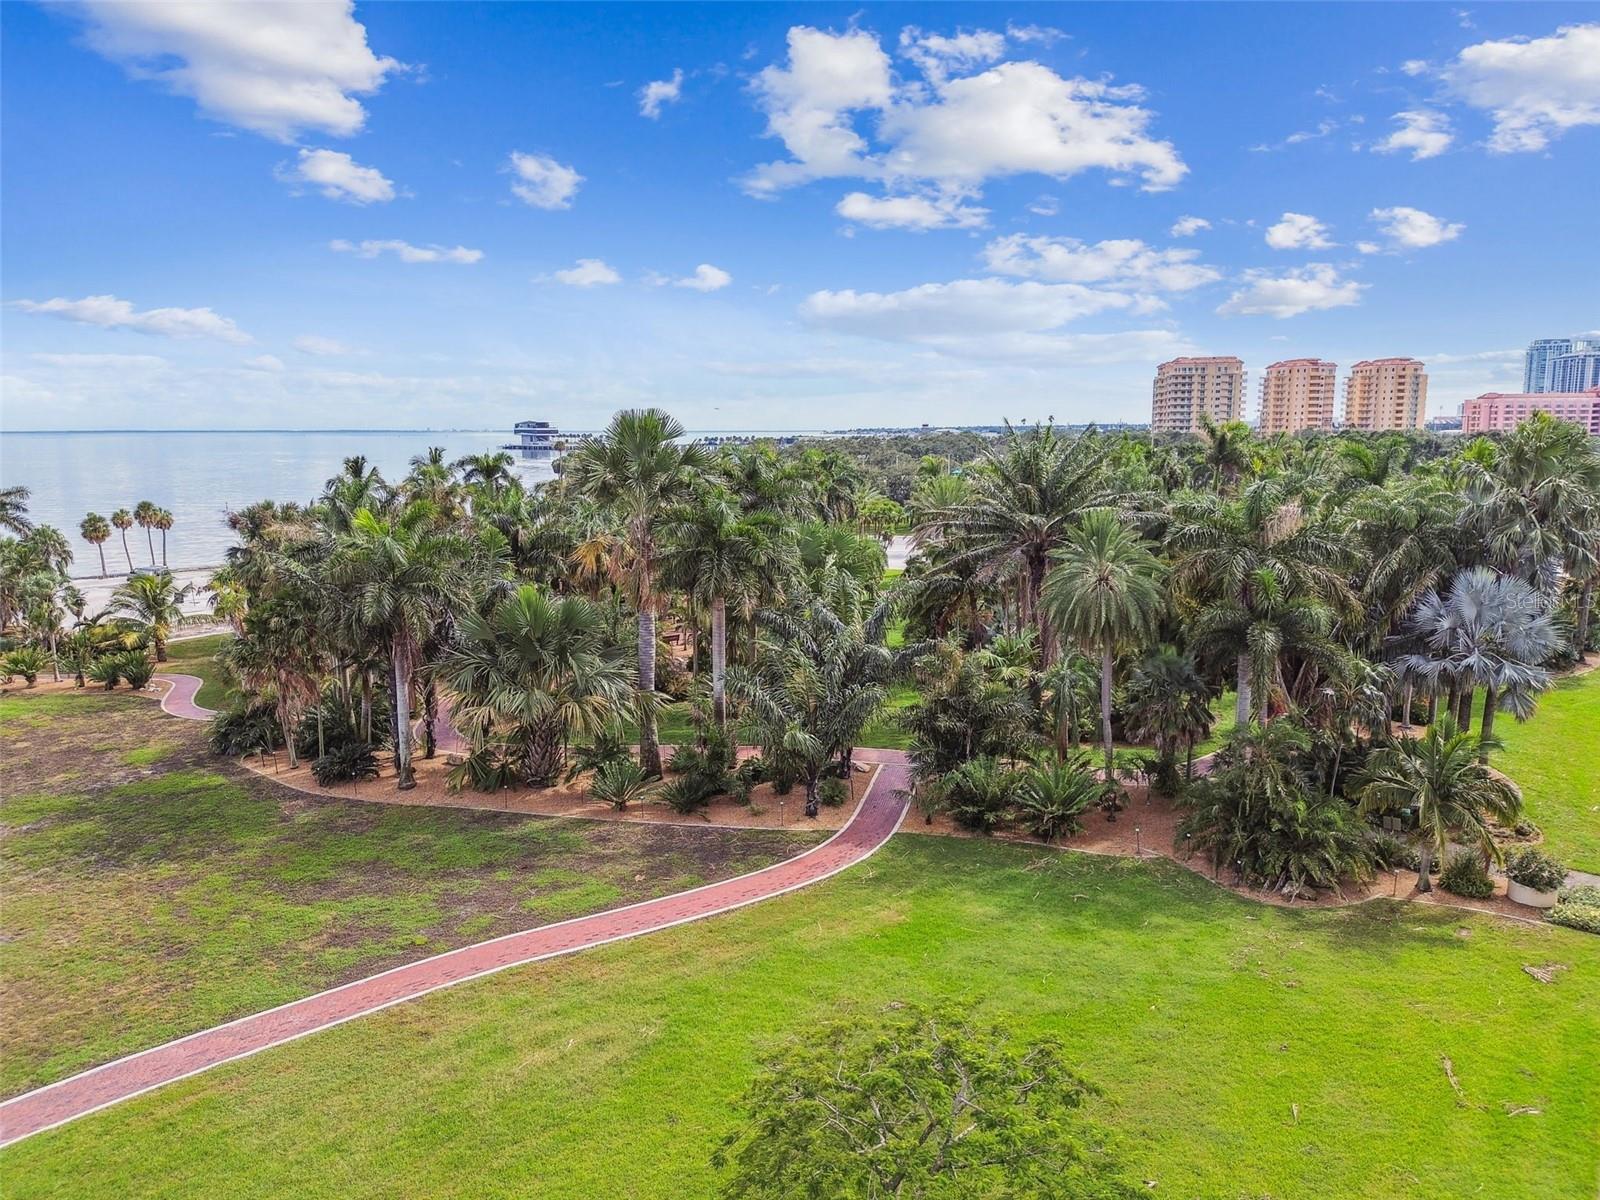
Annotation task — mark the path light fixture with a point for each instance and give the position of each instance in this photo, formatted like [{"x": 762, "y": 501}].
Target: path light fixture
[{"x": 1138, "y": 845}]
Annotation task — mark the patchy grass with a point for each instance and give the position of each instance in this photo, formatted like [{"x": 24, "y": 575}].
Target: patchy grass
[
  {"x": 198, "y": 657},
  {"x": 143, "y": 905},
  {"x": 1244, "y": 1051},
  {"x": 1555, "y": 759}
]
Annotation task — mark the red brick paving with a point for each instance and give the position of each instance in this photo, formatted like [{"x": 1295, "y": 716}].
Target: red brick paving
[
  {"x": 874, "y": 821},
  {"x": 179, "y": 700}
]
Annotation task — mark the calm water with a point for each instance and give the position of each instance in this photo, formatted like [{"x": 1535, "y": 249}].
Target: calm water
[{"x": 200, "y": 477}]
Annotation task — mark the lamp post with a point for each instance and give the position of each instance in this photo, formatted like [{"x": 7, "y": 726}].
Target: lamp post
[{"x": 1138, "y": 844}]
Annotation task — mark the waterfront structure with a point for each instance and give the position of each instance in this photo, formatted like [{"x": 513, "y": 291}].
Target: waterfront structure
[
  {"x": 1298, "y": 393},
  {"x": 1386, "y": 393},
  {"x": 1539, "y": 363},
  {"x": 1500, "y": 411},
  {"x": 536, "y": 439},
  {"x": 1576, "y": 372},
  {"x": 1186, "y": 389}
]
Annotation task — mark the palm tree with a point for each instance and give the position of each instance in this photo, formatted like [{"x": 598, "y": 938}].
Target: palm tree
[
  {"x": 95, "y": 529},
  {"x": 230, "y": 600},
  {"x": 714, "y": 554},
  {"x": 163, "y": 522},
  {"x": 1454, "y": 794},
  {"x": 155, "y": 602},
  {"x": 637, "y": 469},
  {"x": 14, "y": 510},
  {"x": 488, "y": 472},
  {"x": 399, "y": 573},
  {"x": 1104, "y": 593},
  {"x": 1169, "y": 705},
  {"x": 144, "y": 516},
  {"x": 123, "y": 520},
  {"x": 842, "y": 567},
  {"x": 1227, "y": 451},
  {"x": 531, "y": 673}
]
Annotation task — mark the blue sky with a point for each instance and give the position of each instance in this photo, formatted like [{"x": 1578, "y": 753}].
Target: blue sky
[{"x": 426, "y": 215}]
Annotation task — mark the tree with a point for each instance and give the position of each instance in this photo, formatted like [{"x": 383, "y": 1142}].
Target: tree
[
  {"x": 96, "y": 530},
  {"x": 1169, "y": 705},
  {"x": 1228, "y": 451},
  {"x": 123, "y": 520},
  {"x": 967, "y": 705},
  {"x": 488, "y": 472},
  {"x": 14, "y": 510},
  {"x": 918, "y": 1104},
  {"x": 399, "y": 572},
  {"x": 841, "y": 567},
  {"x": 532, "y": 672},
  {"x": 1455, "y": 796},
  {"x": 163, "y": 522},
  {"x": 637, "y": 469},
  {"x": 1104, "y": 593},
  {"x": 144, "y": 516},
  {"x": 155, "y": 602}
]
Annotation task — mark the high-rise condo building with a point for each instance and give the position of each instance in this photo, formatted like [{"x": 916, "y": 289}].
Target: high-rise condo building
[
  {"x": 1298, "y": 393},
  {"x": 1539, "y": 364},
  {"x": 1188, "y": 388},
  {"x": 1386, "y": 393},
  {"x": 1503, "y": 411},
  {"x": 1576, "y": 372}
]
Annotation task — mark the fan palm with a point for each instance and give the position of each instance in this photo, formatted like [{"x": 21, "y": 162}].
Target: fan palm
[
  {"x": 95, "y": 530},
  {"x": 144, "y": 516},
  {"x": 123, "y": 520},
  {"x": 163, "y": 522},
  {"x": 1169, "y": 704}
]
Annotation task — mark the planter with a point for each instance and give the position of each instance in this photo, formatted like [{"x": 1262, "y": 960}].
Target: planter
[{"x": 1522, "y": 894}]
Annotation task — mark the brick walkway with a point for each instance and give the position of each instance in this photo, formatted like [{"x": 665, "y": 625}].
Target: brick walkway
[
  {"x": 179, "y": 700},
  {"x": 875, "y": 819}
]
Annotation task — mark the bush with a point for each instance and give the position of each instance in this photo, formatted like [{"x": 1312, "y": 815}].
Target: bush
[
  {"x": 610, "y": 747},
  {"x": 978, "y": 794},
  {"x": 621, "y": 782},
  {"x": 135, "y": 668},
  {"x": 483, "y": 771},
  {"x": 106, "y": 671},
  {"x": 686, "y": 794},
  {"x": 1534, "y": 869},
  {"x": 353, "y": 760},
  {"x": 1050, "y": 799},
  {"x": 751, "y": 771},
  {"x": 1578, "y": 908},
  {"x": 240, "y": 730},
  {"x": 832, "y": 792},
  {"x": 1464, "y": 875},
  {"x": 26, "y": 661},
  {"x": 1391, "y": 853}
]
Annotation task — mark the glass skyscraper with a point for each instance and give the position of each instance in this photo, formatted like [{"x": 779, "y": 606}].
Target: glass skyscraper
[{"x": 1539, "y": 364}]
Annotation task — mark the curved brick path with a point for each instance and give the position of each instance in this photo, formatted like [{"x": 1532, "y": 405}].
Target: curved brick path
[
  {"x": 875, "y": 818},
  {"x": 179, "y": 700}
]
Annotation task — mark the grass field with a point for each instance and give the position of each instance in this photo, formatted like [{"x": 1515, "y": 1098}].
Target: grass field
[
  {"x": 1555, "y": 758},
  {"x": 1244, "y": 1051},
  {"x": 198, "y": 656},
  {"x": 148, "y": 895}
]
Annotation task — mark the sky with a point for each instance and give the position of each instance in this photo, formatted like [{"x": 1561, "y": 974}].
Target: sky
[{"x": 326, "y": 215}]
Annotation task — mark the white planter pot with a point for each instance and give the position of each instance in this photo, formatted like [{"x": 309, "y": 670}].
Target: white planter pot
[{"x": 1522, "y": 894}]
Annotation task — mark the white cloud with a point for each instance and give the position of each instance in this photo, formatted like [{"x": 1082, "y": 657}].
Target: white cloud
[
  {"x": 338, "y": 177},
  {"x": 1297, "y": 231},
  {"x": 1043, "y": 34},
  {"x": 1535, "y": 89},
  {"x": 660, "y": 91},
  {"x": 321, "y": 347},
  {"x": 114, "y": 362},
  {"x": 1495, "y": 356},
  {"x": 406, "y": 252},
  {"x": 276, "y": 69},
  {"x": 1414, "y": 67},
  {"x": 264, "y": 362},
  {"x": 1045, "y": 206},
  {"x": 1305, "y": 289},
  {"x": 1425, "y": 133},
  {"x": 1414, "y": 229},
  {"x": 1188, "y": 226},
  {"x": 937, "y": 56},
  {"x": 111, "y": 313},
  {"x": 706, "y": 278},
  {"x": 1118, "y": 262},
  {"x": 588, "y": 272},
  {"x": 1369, "y": 247},
  {"x": 916, "y": 213},
  {"x": 542, "y": 181},
  {"x": 950, "y": 133}
]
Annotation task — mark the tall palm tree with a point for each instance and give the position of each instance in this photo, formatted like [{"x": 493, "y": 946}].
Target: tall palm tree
[
  {"x": 49, "y": 546},
  {"x": 1227, "y": 450},
  {"x": 637, "y": 469},
  {"x": 123, "y": 520},
  {"x": 713, "y": 554},
  {"x": 95, "y": 530},
  {"x": 163, "y": 522},
  {"x": 1169, "y": 704},
  {"x": 1104, "y": 593},
  {"x": 14, "y": 510},
  {"x": 399, "y": 572},
  {"x": 155, "y": 602},
  {"x": 144, "y": 516},
  {"x": 489, "y": 471},
  {"x": 842, "y": 567},
  {"x": 531, "y": 673},
  {"x": 1455, "y": 795}
]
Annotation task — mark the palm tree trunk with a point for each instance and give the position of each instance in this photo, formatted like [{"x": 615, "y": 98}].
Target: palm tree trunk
[
  {"x": 402, "y": 720},
  {"x": 1106, "y": 665},
  {"x": 544, "y": 753},
  {"x": 366, "y": 705},
  {"x": 649, "y": 747},
  {"x": 55, "y": 660},
  {"x": 1464, "y": 710},
  {"x": 126, "y": 551},
  {"x": 430, "y": 713},
  {"x": 1424, "y": 861},
  {"x": 1581, "y": 632},
  {"x": 101, "y": 546},
  {"x": 158, "y": 637},
  {"x": 1433, "y": 706},
  {"x": 1491, "y": 700},
  {"x": 150, "y": 539},
  {"x": 1405, "y": 706},
  {"x": 1241, "y": 703},
  {"x": 719, "y": 661}
]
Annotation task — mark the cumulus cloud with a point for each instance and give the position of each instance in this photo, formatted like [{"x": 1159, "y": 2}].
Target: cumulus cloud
[
  {"x": 1188, "y": 226},
  {"x": 111, "y": 313},
  {"x": 1423, "y": 132},
  {"x": 587, "y": 272},
  {"x": 937, "y": 55},
  {"x": 917, "y": 213},
  {"x": 406, "y": 252},
  {"x": 543, "y": 182},
  {"x": 1305, "y": 289},
  {"x": 275, "y": 69},
  {"x": 706, "y": 278},
  {"x": 659, "y": 92},
  {"x": 338, "y": 177},
  {"x": 949, "y": 133},
  {"x": 1117, "y": 262},
  {"x": 1297, "y": 231},
  {"x": 321, "y": 347},
  {"x": 1534, "y": 89},
  {"x": 1414, "y": 229}
]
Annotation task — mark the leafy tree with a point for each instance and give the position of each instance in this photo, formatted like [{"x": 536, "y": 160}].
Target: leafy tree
[
  {"x": 918, "y": 1104},
  {"x": 95, "y": 530}
]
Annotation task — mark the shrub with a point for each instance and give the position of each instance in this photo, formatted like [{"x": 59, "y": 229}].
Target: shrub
[
  {"x": 483, "y": 770},
  {"x": 353, "y": 760},
  {"x": 610, "y": 747},
  {"x": 106, "y": 670},
  {"x": 978, "y": 794},
  {"x": 751, "y": 771},
  {"x": 1464, "y": 875},
  {"x": 1578, "y": 908},
  {"x": 686, "y": 794},
  {"x": 26, "y": 661},
  {"x": 1050, "y": 799},
  {"x": 1390, "y": 852},
  {"x": 1534, "y": 869},
  {"x": 621, "y": 782},
  {"x": 135, "y": 668},
  {"x": 832, "y": 792},
  {"x": 241, "y": 730},
  {"x": 339, "y": 727}
]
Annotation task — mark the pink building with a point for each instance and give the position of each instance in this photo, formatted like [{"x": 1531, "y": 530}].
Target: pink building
[{"x": 1506, "y": 410}]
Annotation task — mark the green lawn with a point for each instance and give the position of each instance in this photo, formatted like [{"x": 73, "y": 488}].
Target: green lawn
[
  {"x": 198, "y": 656},
  {"x": 1555, "y": 758},
  {"x": 1244, "y": 1051}
]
